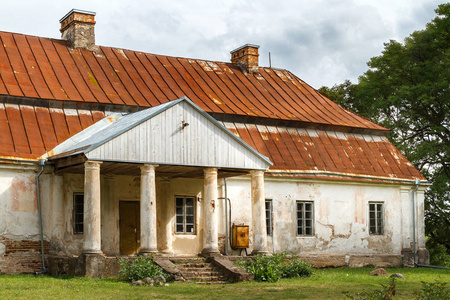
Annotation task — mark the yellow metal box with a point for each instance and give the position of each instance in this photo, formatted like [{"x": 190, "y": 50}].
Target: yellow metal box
[{"x": 239, "y": 236}]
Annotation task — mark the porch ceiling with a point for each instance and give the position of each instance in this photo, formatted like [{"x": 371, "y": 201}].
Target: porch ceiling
[{"x": 132, "y": 169}]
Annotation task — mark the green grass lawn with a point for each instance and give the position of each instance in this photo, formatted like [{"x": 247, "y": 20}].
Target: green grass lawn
[{"x": 325, "y": 284}]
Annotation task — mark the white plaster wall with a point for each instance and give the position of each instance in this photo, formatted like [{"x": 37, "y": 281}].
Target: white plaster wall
[
  {"x": 18, "y": 202},
  {"x": 188, "y": 243},
  {"x": 340, "y": 212}
]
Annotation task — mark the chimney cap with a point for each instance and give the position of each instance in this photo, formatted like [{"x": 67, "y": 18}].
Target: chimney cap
[
  {"x": 77, "y": 11},
  {"x": 245, "y": 46}
]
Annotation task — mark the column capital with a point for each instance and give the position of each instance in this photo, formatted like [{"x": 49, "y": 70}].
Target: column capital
[
  {"x": 145, "y": 168},
  {"x": 256, "y": 172},
  {"x": 210, "y": 170},
  {"x": 92, "y": 164}
]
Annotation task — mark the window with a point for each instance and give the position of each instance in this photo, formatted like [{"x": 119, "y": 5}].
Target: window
[
  {"x": 376, "y": 217},
  {"x": 185, "y": 215},
  {"x": 78, "y": 213},
  {"x": 305, "y": 218},
  {"x": 269, "y": 217}
]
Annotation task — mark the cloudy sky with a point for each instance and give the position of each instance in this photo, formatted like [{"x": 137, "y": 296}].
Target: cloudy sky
[{"x": 322, "y": 42}]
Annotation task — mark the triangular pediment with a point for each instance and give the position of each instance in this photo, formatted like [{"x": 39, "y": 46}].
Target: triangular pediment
[{"x": 174, "y": 133}]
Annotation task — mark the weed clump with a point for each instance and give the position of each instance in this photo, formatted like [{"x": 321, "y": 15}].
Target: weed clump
[
  {"x": 279, "y": 265},
  {"x": 433, "y": 291},
  {"x": 138, "y": 268}
]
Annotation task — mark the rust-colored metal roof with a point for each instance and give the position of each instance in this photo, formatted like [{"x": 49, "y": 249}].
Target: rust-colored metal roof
[
  {"x": 28, "y": 132},
  {"x": 53, "y": 78},
  {"x": 31, "y": 131},
  {"x": 43, "y": 68},
  {"x": 329, "y": 154}
]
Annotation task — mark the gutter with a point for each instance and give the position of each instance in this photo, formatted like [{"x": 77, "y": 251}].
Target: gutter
[{"x": 343, "y": 175}]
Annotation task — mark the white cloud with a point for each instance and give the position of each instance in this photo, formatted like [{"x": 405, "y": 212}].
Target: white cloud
[{"x": 322, "y": 42}]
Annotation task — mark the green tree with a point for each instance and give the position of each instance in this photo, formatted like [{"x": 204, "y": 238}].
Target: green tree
[{"x": 407, "y": 90}]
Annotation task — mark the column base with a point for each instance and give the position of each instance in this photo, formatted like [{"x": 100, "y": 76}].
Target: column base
[
  {"x": 148, "y": 251},
  {"x": 90, "y": 251},
  {"x": 208, "y": 252},
  {"x": 260, "y": 252},
  {"x": 167, "y": 252}
]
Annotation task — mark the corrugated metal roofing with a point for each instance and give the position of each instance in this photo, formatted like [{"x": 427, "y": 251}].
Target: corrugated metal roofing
[
  {"x": 44, "y": 68},
  {"x": 296, "y": 151},
  {"x": 47, "y": 70},
  {"x": 30, "y": 131}
]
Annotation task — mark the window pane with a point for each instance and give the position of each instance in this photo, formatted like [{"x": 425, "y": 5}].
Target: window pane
[
  {"x": 179, "y": 210},
  {"x": 180, "y": 219},
  {"x": 190, "y": 219},
  {"x": 189, "y": 210},
  {"x": 179, "y": 202},
  {"x": 190, "y": 228},
  {"x": 189, "y": 202},
  {"x": 79, "y": 228},
  {"x": 179, "y": 228}
]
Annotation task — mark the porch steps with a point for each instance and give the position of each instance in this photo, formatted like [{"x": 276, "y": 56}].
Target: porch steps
[{"x": 197, "y": 270}]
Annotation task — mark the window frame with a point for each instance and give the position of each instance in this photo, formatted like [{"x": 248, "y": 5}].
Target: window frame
[
  {"x": 303, "y": 219},
  {"x": 269, "y": 216},
  {"x": 75, "y": 215},
  {"x": 379, "y": 229},
  {"x": 184, "y": 215}
]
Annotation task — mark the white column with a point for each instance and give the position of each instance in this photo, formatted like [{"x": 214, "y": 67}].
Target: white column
[
  {"x": 420, "y": 216},
  {"x": 167, "y": 213},
  {"x": 258, "y": 214},
  {"x": 148, "y": 209},
  {"x": 92, "y": 217},
  {"x": 406, "y": 217},
  {"x": 210, "y": 240}
]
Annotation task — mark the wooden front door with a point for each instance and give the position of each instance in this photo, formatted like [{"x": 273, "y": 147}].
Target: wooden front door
[{"x": 129, "y": 216}]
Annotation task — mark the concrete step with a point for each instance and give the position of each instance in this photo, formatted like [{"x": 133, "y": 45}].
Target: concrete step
[{"x": 197, "y": 270}]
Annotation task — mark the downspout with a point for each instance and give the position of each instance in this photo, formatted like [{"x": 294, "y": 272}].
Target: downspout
[
  {"x": 42, "y": 164},
  {"x": 226, "y": 216}
]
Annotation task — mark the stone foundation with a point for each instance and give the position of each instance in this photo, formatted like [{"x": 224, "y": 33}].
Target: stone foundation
[
  {"x": 354, "y": 261},
  {"x": 91, "y": 265},
  {"x": 100, "y": 266}
]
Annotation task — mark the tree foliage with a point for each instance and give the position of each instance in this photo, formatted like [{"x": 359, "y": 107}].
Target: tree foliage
[{"x": 407, "y": 90}]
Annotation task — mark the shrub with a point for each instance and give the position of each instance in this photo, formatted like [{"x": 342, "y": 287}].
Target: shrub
[
  {"x": 272, "y": 268},
  {"x": 439, "y": 255},
  {"x": 138, "y": 268},
  {"x": 297, "y": 268},
  {"x": 433, "y": 291}
]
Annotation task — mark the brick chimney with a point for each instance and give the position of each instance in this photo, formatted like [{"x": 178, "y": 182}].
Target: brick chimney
[
  {"x": 77, "y": 28},
  {"x": 246, "y": 57}
]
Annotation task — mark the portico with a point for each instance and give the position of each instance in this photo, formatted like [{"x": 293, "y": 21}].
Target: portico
[{"x": 175, "y": 142}]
